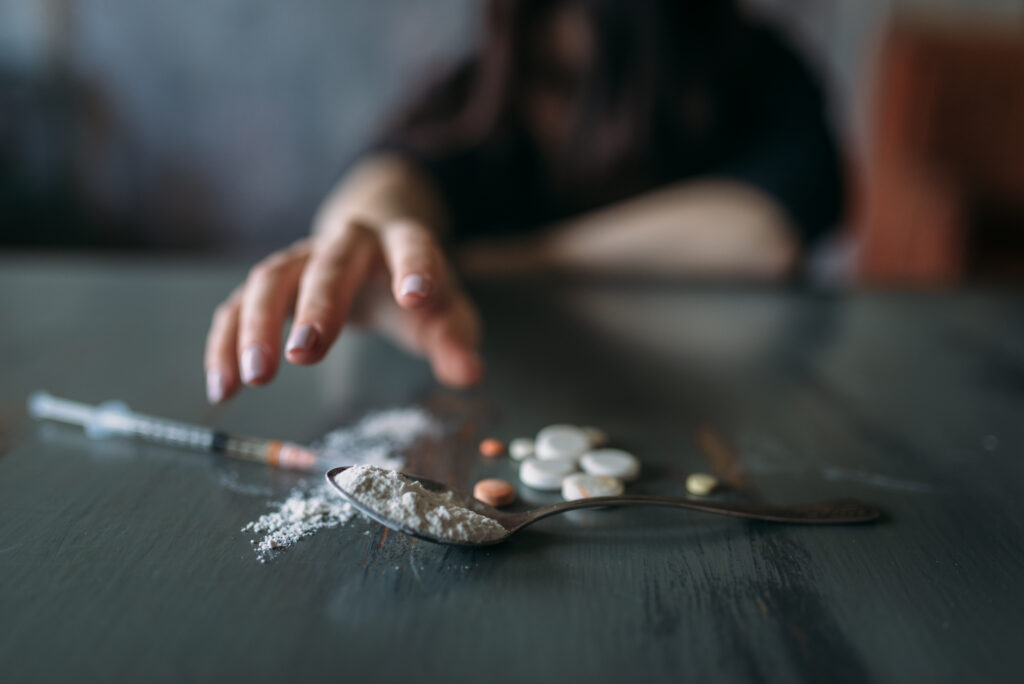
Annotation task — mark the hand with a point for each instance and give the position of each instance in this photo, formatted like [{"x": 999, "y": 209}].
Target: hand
[{"x": 393, "y": 278}]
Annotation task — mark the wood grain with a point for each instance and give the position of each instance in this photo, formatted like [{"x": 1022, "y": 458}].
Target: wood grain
[{"x": 125, "y": 562}]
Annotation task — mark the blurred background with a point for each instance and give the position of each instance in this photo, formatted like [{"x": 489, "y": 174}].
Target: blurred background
[{"x": 217, "y": 127}]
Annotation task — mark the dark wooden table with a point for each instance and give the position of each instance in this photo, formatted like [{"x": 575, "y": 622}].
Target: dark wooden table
[{"x": 125, "y": 562}]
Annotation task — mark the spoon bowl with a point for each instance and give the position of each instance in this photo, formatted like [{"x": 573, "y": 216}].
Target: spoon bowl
[{"x": 833, "y": 512}]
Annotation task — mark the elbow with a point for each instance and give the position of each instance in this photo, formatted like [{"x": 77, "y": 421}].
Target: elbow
[
  {"x": 772, "y": 249},
  {"x": 756, "y": 238},
  {"x": 778, "y": 257}
]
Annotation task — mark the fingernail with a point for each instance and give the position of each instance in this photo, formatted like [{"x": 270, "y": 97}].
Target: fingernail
[
  {"x": 414, "y": 283},
  {"x": 216, "y": 386},
  {"x": 254, "y": 364},
  {"x": 302, "y": 338}
]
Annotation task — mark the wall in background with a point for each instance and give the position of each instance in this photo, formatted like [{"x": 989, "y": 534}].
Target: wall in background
[{"x": 211, "y": 123}]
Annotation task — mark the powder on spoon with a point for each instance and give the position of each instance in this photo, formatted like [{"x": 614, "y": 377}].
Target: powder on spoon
[{"x": 408, "y": 503}]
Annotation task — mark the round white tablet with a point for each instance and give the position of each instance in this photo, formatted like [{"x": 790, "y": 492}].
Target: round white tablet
[
  {"x": 585, "y": 486},
  {"x": 520, "y": 448},
  {"x": 561, "y": 441},
  {"x": 613, "y": 462},
  {"x": 547, "y": 474}
]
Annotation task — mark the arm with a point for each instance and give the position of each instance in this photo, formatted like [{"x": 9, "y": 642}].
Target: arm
[
  {"x": 707, "y": 228},
  {"x": 748, "y": 215}
]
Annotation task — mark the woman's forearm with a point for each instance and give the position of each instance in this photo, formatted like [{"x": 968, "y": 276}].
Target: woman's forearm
[
  {"x": 381, "y": 189},
  {"x": 707, "y": 228},
  {"x": 713, "y": 228}
]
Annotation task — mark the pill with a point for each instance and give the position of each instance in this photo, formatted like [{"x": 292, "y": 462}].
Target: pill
[
  {"x": 596, "y": 436},
  {"x": 561, "y": 441},
  {"x": 585, "y": 486},
  {"x": 546, "y": 474},
  {"x": 492, "y": 448},
  {"x": 494, "y": 492},
  {"x": 520, "y": 448},
  {"x": 613, "y": 462},
  {"x": 701, "y": 484}
]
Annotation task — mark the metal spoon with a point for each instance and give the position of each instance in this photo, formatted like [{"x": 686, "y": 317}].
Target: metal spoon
[{"x": 825, "y": 512}]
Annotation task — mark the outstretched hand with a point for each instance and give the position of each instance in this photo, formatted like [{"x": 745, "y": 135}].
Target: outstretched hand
[{"x": 393, "y": 278}]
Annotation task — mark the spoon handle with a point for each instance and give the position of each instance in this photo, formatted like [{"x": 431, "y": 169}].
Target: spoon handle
[{"x": 823, "y": 512}]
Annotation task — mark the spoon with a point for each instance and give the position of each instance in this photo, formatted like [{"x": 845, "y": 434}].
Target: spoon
[{"x": 825, "y": 512}]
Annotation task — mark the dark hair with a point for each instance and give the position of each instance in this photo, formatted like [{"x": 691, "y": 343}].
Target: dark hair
[{"x": 655, "y": 63}]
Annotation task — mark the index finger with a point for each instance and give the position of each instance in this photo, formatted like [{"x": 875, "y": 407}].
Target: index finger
[
  {"x": 338, "y": 265},
  {"x": 418, "y": 272}
]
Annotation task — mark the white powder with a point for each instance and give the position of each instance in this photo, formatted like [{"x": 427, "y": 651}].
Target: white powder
[
  {"x": 379, "y": 439},
  {"x": 405, "y": 501},
  {"x": 300, "y": 515}
]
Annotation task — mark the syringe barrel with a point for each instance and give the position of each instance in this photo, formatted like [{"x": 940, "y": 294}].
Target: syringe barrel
[
  {"x": 49, "y": 407},
  {"x": 172, "y": 432},
  {"x": 115, "y": 418}
]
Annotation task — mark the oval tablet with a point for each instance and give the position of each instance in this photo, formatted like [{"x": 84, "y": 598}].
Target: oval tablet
[
  {"x": 585, "y": 486},
  {"x": 561, "y": 441},
  {"x": 494, "y": 492},
  {"x": 612, "y": 462},
  {"x": 701, "y": 484},
  {"x": 547, "y": 474},
  {"x": 520, "y": 448}
]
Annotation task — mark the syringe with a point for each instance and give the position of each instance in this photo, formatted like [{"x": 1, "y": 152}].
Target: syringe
[{"x": 114, "y": 419}]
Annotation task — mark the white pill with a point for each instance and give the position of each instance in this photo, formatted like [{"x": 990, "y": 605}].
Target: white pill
[
  {"x": 585, "y": 486},
  {"x": 561, "y": 441},
  {"x": 547, "y": 474},
  {"x": 597, "y": 436},
  {"x": 613, "y": 462},
  {"x": 701, "y": 484},
  {"x": 520, "y": 448}
]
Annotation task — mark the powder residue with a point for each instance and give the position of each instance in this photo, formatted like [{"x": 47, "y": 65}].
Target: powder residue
[
  {"x": 379, "y": 439},
  {"x": 300, "y": 515},
  {"x": 406, "y": 502}
]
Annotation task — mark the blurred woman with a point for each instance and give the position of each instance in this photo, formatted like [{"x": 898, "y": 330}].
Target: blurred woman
[{"x": 671, "y": 137}]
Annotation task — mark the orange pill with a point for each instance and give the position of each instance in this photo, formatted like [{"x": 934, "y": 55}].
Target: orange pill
[
  {"x": 492, "y": 448},
  {"x": 494, "y": 492}
]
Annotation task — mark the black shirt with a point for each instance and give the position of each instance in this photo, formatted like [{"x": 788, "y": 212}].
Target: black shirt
[{"x": 766, "y": 127}]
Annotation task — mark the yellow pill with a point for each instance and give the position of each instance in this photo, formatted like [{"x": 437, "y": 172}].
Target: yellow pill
[{"x": 701, "y": 484}]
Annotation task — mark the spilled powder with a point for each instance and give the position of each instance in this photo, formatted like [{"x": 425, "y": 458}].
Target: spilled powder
[
  {"x": 378, "y": 439},
  {"x": 405, "y": 501},
  {"x": 300, "y": 515}
]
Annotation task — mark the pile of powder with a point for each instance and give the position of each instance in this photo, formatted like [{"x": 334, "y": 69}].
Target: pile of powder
[
  {"x": 405, "y": 501},
  {"x": 379, "y": 439},
  {"x": 300, "y": 515}
]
